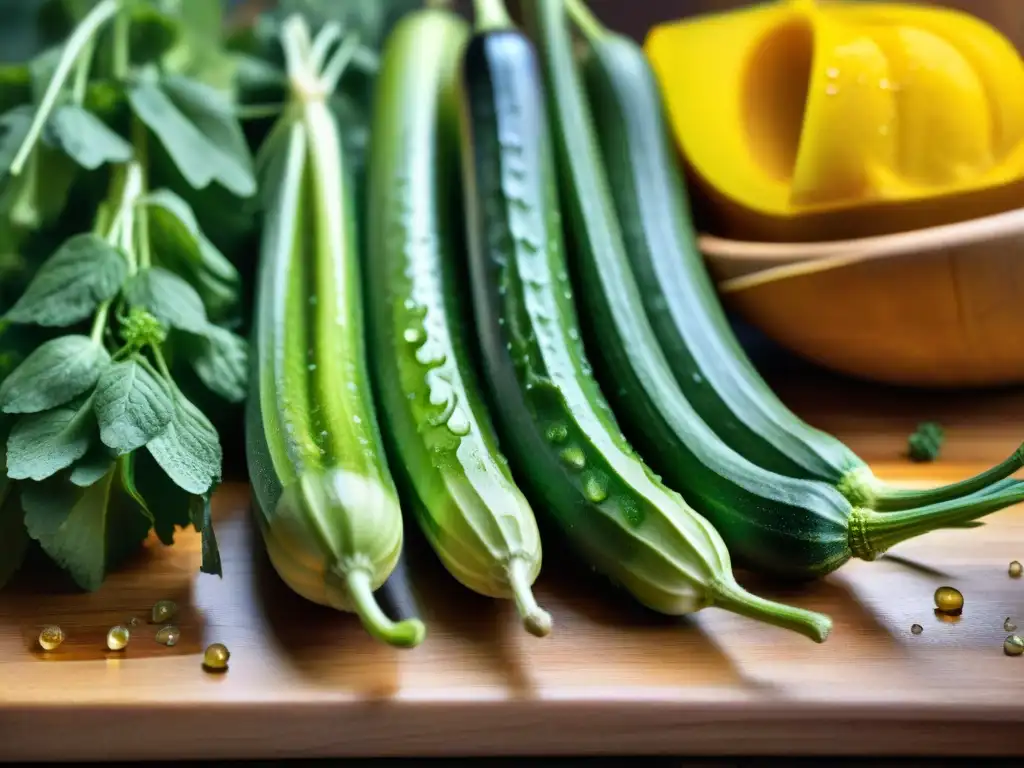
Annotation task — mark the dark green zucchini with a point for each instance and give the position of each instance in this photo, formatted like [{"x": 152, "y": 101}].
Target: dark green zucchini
[
  {"x": 710, "y": 366},
  {"x": 561, "y": 439},
  {"x": 773, "y": 523}
]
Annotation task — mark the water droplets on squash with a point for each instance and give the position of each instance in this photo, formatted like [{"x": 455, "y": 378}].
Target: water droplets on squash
[
  {"x": 595, "y": 487},
  {"x": 574, "y": 457},
  {"x": 557, "y": 433}
]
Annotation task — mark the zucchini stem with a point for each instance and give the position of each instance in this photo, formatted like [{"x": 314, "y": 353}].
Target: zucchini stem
[
  {"x": 491, "y": 15},
  {"x": 403, "y": 634},
  {"x": 864, "y": 489},
  {"x": 584, "y": 18},
  {"x": 729, "y": 595},
  {"x": 536, "y": 620},
  {"x": 872, "y": 533}
]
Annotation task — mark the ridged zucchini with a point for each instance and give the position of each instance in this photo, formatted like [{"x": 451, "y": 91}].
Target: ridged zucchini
[
  {"x": 773, "y": 523},
  {"x": 326, "y": 503},
  {"x": 710, "y": 366},
  {"x": 432, "y": 410},
  {"x": 562, "y": 440}
]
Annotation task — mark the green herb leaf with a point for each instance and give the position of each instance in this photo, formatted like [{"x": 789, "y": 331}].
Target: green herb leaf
[
  {"x": 202, "y": 520},
  {"x": 189, "y": 130},
  {"x": 168, "y": 298},
  {"x": 14, "y": 538},
  {"x": 86, "y": 531},
  {"x": 179, "y": 244},
  {"x": 85, "y": 138},
  {"x": 133, "y": 405},
  {"x": 43, "y": 444},
  {"x": 54, "y": 374},
  {"x": 221, "y": 361},
  {"x": 96, "y": 463},
  {"x": 84, "y": 272},
  {"x": 189, "y": 448},
  {"x": 166, "y": 503}
]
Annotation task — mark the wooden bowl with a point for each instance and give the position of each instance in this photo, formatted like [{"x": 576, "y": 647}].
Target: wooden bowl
[{"x": 936, "y": 307}]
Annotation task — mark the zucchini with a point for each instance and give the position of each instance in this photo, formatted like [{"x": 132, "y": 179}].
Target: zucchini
[
  {"x": 434, "y": 418},
  {"x": 775, "y": 524},
  {"x": 710, "y": 366},
  {"x": 561, "y": 439},
  {"x": 326, "y": 504}
]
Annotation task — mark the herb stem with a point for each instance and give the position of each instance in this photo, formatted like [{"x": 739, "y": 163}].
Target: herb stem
[
  {"x": 325, "y": 38},
  {"x": 82, "y": 68},
  {"x": 122, "y": 55},
  {"x": 142, "y": 212},
  {"x": 85, "y": 31},
  {"x": 99, "y": 323},
  {"x": 342, "y": 57},
  {"x": 161, "y": 363}
]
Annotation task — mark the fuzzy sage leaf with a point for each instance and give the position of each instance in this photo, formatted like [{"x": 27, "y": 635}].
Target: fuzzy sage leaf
[
  {"x": 54, "y": 373},
  {"x": 133, "y": 405},
  {"x": 220, "y": 359},
  {"x": 189, "y": 449},
  {"x": 42, "y": 444},
  {"x": 202, "y": 521},
  {"x": 85, "y": 138},
  {"x": 86, "y": 531},
  {"x": 189, "y": 128},
  {"x": 83, "y": 273}
]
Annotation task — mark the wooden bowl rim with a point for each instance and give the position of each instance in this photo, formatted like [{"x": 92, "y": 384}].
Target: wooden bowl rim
[{"x": 808, "y": 258}]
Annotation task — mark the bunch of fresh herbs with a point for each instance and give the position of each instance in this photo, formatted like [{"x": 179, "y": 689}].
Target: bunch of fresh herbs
[{"x": 117, "y": 308}]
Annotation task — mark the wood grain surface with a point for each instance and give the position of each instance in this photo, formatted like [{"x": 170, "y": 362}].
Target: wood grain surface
[{"x": 612, "y": 679}]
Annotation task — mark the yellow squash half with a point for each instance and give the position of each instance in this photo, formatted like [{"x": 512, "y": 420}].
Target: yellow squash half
[{"x": 836, "y": 119}]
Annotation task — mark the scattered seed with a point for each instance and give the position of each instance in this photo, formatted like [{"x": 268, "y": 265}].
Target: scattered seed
[
  {"x": 1013, "y": 645},
  {"x": 1016, "y": 569},
  {"x": 916, "y": 629},
  {"x": 949, "y": 601},
  {"x": 215, "y": 658},
  {"x": 168, "y": 635},
  {"x": 51, "y": 637},
  {"x": 1009, "y": 626},
  {"x": 118, "y": 638},
  {"x": 163, "y": 611}
]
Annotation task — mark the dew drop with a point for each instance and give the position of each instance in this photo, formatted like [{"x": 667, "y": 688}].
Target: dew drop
[
  {"x": 163, "y": 611},
  {"x": 557, "y": 433},
  {"x": 168, "y": 636},
  {"x": 884, "y": 84},
  {"x": 51, "y": 637},
  {"x": 412, "y": 335},
  {"x": 574, "y": 457},
  {"x": 595, "y": 488},
  {"x": 916, "y": 629},
  {"x": 831, "y": 89},
  {"x": 832, "y": 72},
  {"x": 458, "y": 424}
]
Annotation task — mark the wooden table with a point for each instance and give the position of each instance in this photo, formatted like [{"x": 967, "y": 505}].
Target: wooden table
[{"x": 306, "y": 682}]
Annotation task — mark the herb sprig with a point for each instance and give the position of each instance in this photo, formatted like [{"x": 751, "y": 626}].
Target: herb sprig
[{"x": 119, "y": 291}]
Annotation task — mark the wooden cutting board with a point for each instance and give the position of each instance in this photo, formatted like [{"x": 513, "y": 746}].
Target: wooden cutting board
[{"x": 612, "y": 679}]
